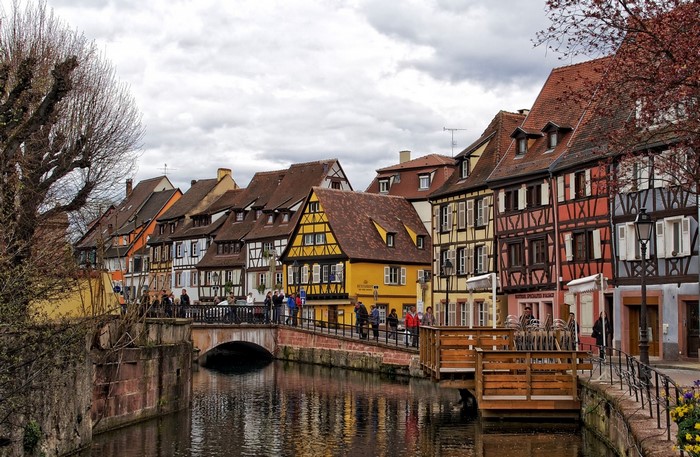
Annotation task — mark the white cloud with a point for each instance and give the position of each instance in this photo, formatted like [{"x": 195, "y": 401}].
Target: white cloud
[{"x": 255, "y": 85}]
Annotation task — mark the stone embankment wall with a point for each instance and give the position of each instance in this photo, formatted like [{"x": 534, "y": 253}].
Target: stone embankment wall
[
  {"x": 138, "y": 383},
  {"x": 308, "y": 347},
  {"x": 621, "y": 423}
]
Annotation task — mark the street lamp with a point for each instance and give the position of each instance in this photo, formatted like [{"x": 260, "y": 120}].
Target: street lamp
[
  {"x": 295, "y": 276},
  {"x": 643, "y": 225},
  {"x": 215, "y": 279},
  {"x": 447, "y": 272}
]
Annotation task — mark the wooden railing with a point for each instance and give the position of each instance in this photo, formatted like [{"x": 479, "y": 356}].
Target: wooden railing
[
  {"x": 526, "y": 382},
  {"x": 452, "y": 350}
]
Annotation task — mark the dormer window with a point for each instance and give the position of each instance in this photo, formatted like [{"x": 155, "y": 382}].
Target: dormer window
[
  {"x": 423, "y": 182},
  {"x": 314, "y": 207},
  {"x": 465, "y": 169},
  {"x": 420, "y": 242},
  {"x": 522, "y": 145},
  {"x": 285, "y": 218},
  {"x": 552, "y": 139},
  {"x": 390, "y": 239},
  {"x": 239, "y": 216},
  {"x": 258, "y": 213},
  {"x": 383, "y": 185},
  {"x": 270, "y": 218},
  {"x": 161, "y": 229}
]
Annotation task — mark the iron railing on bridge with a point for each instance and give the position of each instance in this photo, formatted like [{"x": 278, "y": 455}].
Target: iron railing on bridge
[{"x": 259, "y": 315}]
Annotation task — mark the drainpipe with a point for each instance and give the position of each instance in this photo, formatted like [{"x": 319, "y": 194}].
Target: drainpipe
[
  {"x": 613, "y": 254},
  {"x": 555, "y": 199}
]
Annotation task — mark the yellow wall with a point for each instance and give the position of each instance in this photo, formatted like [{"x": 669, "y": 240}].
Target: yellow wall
[{"x": 88, "y": 297}]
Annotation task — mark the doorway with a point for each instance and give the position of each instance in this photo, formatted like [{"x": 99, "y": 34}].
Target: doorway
[
  {"x": 692, "y": 325},
  {"x": 652, "y": 325}
]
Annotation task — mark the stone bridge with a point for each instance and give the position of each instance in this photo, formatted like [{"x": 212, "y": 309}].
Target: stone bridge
[{"x": 294, "y": 343}]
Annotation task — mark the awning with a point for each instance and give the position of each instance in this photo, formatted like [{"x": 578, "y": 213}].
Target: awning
[
  {"x": 588, "y": 284},
  {"x": 481, "y": 282}
]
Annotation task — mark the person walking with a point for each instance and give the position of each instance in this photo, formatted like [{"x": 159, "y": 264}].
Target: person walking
[
  {"x": 428, "y": 317},
  {"x": 603, "y": 333},
  {"x": 392, "y": 321},
  {"x": 292, "y": 308},
  {"x": 184, "y": 303},
  {"x": 374, "y": 320},
  {"x": 363, "y": 318},
  {"x": 267, "y": 304},
  {"x": 412, "y": 323}
]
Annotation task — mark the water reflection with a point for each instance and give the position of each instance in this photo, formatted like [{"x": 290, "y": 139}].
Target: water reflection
[{"x": 287, "y": 409}]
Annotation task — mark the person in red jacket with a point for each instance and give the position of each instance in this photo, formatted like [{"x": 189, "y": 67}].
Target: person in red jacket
[{"x": 412, "y": 323}]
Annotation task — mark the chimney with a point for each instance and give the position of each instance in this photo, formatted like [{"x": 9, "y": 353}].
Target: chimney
[
  {"x": 193, "y": 182},
  {"x": 129, "y": 186},
  {"x": 524, "y": 111},
  {"x": 404, "y": 156},
  {"x": 221, "y": 172}
]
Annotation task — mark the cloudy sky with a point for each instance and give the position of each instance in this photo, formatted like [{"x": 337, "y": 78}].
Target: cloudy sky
[{"x": 256, "y": 85}]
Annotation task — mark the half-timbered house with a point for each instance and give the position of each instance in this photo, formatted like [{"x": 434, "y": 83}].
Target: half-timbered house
[
  {"x": 526, "y": 218},
  {"x": 175, "y": 252},
  {"x": 348, "y": 247},
  {"x": 463, "y": 231},
  {"x": 671, "y": 262},
  {"x": 269, "y": 235}
]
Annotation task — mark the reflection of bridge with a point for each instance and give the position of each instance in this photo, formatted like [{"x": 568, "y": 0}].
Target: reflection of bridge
[{"x": 505, "y": 381}]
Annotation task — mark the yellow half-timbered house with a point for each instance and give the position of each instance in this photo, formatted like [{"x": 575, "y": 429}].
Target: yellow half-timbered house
[
  {"x": 350, "y": 246},
  {"x": 464, "y": 281}
]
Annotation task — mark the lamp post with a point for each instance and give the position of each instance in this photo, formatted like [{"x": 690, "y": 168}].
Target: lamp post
[
  {"x": 295, "y": 276},
  {"x": 643, "y": 225},
  {"x": 215, "y": 279},
  {"x": 447, "y": 272}
]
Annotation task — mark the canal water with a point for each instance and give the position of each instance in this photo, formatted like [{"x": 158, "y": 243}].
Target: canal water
[{"x": 284, "y": 409}]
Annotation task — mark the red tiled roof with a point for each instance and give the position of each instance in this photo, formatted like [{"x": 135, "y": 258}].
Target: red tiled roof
[
  {"x": 352, "y": 215},
  {"x": 497, "y": 139},
  {"x": 194, "y": 195},
  {"x": 563, "y": 100},
  {"x": 407, "y": 186}
]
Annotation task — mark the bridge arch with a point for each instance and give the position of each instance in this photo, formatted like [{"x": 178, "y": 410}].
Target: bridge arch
[{"x": 206, "y": 338}]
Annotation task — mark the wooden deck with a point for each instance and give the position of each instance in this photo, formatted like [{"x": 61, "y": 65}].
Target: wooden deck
[{"x": 505, "y": 382}]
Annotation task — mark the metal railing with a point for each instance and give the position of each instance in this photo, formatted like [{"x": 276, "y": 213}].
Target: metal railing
[
  {"x": 260, "y": 315},
  {"x": 656, "y": 392}
]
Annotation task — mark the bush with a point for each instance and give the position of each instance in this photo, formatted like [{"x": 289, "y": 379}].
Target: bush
[{"x": 687, "y": 415}]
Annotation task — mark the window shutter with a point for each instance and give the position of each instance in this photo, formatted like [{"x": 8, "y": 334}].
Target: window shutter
[
  {"x": 305, "y": 274},
  {"x": 545, "y": 192},
  {"x": 317, "y": 273},
  {"x": 685, "y": 234},
  {"x": 290, "y": 275},
  {"x": 560, "y": 188},
  {"x": 622, "y": 242},
  {"x": 660, "y": 242},
  {"x": 522, "y": 197},
  {"x": 469, "y": 213},
  {"x": 485, "y": 217},
  {"x": 449, "y": 217},
  {"x": 501, "y": 201},
  {"x": 597, "y": 248},
  {"x": 485, "y": 259},
  {"x": 568, "y": 248},
  {"x": 572, "y": 186},
  {"x": 387, "y": 275},
  {"x": 339, "y": 272},
  {"x": 644, "y": 173},
  {"x": 470, "y": 265},
  {"x": 403, "y": 276},
  {"x": 588, "y": 182},
  {"x": 436, "y": 217}
]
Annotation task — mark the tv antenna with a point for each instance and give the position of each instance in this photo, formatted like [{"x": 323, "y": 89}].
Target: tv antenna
[
  {"x": 166, "y": 168},
  {"x": 452, "y": 133}
]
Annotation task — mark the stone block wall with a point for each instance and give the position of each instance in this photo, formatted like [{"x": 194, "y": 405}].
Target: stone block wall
[{"x": 308, "y": 347}]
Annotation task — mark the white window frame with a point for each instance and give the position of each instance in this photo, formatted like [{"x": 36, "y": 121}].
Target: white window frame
[
  {"x": 394, "y": 275},
  {"x": 194, "y": 278},
  {"x": 423, "y": 182},
  {"x": 308, "y": 239},
  {"x": 673, "y": 237},
  {"x": 320, "y": 239},
  {"x": 383, "y": 186}
]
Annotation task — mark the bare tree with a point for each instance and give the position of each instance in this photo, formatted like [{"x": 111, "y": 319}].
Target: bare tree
[
  {"x": 69, "y": 133},
  {"x": 68, "y": 129},
  {"x": 650, "y": 94}
]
